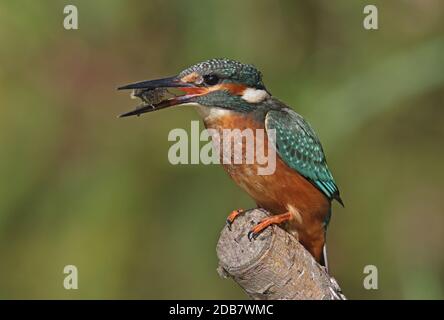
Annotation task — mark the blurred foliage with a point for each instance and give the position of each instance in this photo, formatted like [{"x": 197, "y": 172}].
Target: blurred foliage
[{"x": 82, "y": 187}]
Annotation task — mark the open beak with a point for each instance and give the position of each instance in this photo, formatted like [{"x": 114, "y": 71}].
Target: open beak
[{"x": 151, "y": 85}]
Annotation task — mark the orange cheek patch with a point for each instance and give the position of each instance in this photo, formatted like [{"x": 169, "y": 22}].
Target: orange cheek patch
[{"x": 233, "y": 88}]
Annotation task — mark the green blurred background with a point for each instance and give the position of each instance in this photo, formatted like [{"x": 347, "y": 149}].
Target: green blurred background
[{"x": 79, "y": 186}]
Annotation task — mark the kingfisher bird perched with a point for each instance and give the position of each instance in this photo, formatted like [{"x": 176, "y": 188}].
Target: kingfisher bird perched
[{"x": 231, "y": 95}]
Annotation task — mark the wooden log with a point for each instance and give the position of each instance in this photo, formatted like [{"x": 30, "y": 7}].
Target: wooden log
[{"x": 273, "y": 266}]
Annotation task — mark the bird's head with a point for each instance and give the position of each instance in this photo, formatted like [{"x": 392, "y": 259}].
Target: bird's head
[{"x": 215, "y": 83}]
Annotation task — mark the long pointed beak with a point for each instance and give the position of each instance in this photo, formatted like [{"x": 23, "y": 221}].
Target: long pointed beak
[
  {"x": 171, "y": 82},
  {"x": 165, "y": 83}
]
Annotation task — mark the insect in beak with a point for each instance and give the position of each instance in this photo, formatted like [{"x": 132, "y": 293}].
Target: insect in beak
[{"x": 154, "y": 94}]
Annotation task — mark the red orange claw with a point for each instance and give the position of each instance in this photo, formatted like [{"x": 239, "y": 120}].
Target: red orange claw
[
  {"x": 261, "y": 226},
  {"x": 232, "y": 216}
]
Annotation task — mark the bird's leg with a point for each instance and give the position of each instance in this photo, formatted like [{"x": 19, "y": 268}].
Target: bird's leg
[
  {"x": 232, "y": 216},
  {"x": 261, "y": 226}
]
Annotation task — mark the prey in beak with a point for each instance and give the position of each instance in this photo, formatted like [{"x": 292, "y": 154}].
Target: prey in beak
[{"x": 154, "y": 94}]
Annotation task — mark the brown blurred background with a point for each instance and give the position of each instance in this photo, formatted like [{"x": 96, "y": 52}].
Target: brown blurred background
[{"x": 79, "y": 186}]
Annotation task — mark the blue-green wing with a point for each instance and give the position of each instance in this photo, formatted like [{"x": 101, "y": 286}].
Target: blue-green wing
[{"x": 299, "y": 147}]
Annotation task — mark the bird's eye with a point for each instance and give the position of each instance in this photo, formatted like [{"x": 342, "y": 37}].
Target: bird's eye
[{"x": 211, "y": 79}]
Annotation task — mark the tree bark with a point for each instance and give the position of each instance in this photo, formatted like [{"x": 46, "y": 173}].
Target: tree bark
[{"x": 273, "y": 266}]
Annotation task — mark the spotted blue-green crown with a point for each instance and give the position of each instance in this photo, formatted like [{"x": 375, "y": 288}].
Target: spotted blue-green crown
[{"x": 229, "y": 71}]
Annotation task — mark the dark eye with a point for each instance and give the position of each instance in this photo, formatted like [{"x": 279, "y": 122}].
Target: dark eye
[{"x": 211, "y": 79}]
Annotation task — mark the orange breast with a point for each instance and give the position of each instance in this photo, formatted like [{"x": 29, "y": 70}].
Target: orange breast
[{"x": 283, "y": 191}]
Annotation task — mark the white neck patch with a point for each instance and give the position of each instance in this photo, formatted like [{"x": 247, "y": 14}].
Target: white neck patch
[{"x": 253, "y": 95}]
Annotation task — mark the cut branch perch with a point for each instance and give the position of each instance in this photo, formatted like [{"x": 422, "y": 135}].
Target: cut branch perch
[{"x": 274, "y": 266}]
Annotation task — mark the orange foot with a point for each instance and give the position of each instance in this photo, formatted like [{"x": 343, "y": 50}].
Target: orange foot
[
  {"x": 261, "y": 226},
  {"x": 233, "y": 215}
]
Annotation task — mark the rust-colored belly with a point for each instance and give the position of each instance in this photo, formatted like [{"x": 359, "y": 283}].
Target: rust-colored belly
[{"x": 283, "y": 191}]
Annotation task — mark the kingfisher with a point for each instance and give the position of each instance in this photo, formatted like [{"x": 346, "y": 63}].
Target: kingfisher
[{"x": 231, "y": 95}]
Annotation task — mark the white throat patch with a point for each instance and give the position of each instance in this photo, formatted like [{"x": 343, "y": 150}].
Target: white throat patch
[{"x": 253, "y": 95}]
